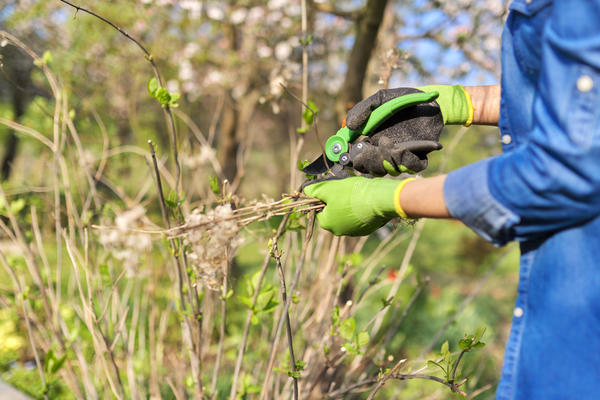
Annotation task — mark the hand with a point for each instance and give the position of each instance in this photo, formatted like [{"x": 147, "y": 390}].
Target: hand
[
  {"x": 390, "y": 158},
  {"x": 419, "y": 122},
  {"x": 389, "y": 147},
  {"x": 357, "y": 206}
]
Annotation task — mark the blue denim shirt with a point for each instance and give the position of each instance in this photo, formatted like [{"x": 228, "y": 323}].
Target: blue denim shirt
[{"x": 544, "y": 191}]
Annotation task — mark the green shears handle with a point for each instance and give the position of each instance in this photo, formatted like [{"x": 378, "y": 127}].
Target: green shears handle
[{"x": 338, "y": 144}]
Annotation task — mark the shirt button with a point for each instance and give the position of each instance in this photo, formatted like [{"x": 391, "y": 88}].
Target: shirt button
[
  {"x": 518, "y": 312},
  {"x": 585, "y": 83},
  {"x": 506, "y": 139}
]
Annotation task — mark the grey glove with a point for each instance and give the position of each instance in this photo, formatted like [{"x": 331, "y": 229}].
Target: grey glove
[
  {"x": 420, "y": 125},
  {"x": 390, "y": 158},
  {"x": 419, "y": 122}
]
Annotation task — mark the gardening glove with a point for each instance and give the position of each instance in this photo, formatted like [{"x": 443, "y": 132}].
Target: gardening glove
[
  {"x": 391, "y": 158},
  {"x": 417, "y": 123},
  {"x": 420, "y": 122},
  {"x": 357, "y": 206}
]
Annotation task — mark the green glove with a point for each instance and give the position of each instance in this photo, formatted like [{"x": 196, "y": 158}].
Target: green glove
[
  {"x": 357, "y": 206},
  {"x": 455, "y": 103}
]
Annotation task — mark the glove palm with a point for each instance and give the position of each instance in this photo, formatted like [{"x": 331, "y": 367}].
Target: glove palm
[{"x": 356, "y": 206}]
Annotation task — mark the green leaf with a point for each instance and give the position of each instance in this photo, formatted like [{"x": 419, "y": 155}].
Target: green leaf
[
  {"x": 308, "y": 115},
  {"x": 172, "y": 200},
  {"x": 49, "y": 360},
  {"x": 214, "y": 185},
  {"x": 351, "y": 348},
  {"x": 254, "y": 281},
  {"x": 152, "y": 86},
  {"x": 303, "y": 164},
  {"x": 47, "y": 57},
  {"x": 335, "y": 317},
  {"x": 386, "y": 302},
  {"x": 295, "y": 299},
  {"x": 300, "y": 365},
  {"x": 293, "y": 374},
  {"x": 254, "y": 319},
  {"x": 58, "y": 364},
  {"x": 271, "y": 306},
  {"x": 163, "y": 96},
  {"x": 433, "y": 364},
  {"x": 347, "y": 328},
  {"x": 464, "y": 344},
  {"x": 362, "y": 339},
  {"x": 228, "y": 295},
  {"x": 247, "y": 301},
  {"x": 105, "y": 275},
  {"x": 263, "y": 299},
  {"x": 173, "y": 101},
  {"x": 16, "y": 206},
  {"x": 445, "y": 348},
  {"x": 45, "y": 60},
  {"x": 250, "y": 389},
  {"x": 479, "y": 333},
  {"x": 325, "y": 350},
  {"x": 478, "y": 345}
]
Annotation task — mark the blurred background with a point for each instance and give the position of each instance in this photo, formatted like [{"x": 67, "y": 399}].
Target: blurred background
[{"x": 86, "y": 313}]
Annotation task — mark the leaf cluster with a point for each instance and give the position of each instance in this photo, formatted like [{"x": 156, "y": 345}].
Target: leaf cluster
[
  {"x": 449, "y": 363},
  {"x": 355, "y": 340},
  {"x": 266, "y": 300},
  {"x": 162, "y": 95}
]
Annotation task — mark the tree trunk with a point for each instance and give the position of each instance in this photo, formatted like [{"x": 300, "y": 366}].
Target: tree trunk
[
  {"x": 228, "y": 141},
  {"x": 11, "y": 144},
  {"x": 367, "y": 27}
]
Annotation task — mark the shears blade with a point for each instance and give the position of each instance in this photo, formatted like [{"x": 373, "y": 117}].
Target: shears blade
[{"x": 319, "y": 166}]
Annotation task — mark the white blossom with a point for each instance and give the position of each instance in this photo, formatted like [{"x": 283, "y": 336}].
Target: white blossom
[
  {"x": 125, "y": 243},
  {"x": 193, "y": 6},
  {"x": 238, "y": 16},
  {"x": 283, "y": 50},
  {"x": 215, "y": 12}
]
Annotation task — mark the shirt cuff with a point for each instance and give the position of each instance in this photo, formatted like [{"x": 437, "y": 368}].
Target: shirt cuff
[{"x": 468, "y": 199}]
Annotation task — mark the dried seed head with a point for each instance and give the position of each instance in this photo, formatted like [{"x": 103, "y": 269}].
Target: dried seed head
[
  {"x": 124, "y": 243},
  {"x": 216, "y": 235}
]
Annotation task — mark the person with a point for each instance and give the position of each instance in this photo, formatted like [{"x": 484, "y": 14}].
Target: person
[{"x": 543, "y": 191}]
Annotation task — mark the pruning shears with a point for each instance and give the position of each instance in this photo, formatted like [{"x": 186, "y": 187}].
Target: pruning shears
[{"x": 340, "y": 150}]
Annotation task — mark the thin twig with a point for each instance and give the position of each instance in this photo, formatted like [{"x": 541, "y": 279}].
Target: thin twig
[
  {"x": 385, "y": 378},
  {"x": 242, "y": 347},
  {"x": 460, "y": 356},
  {"x": 402, "y": 377},
  {"x": 168, "y": 113},
  {"x": 316, "y": 125},
  {"x": 309, "y": 232},
  {"x": 222, "y": 326},
  {"x": 277, "y": 256}
]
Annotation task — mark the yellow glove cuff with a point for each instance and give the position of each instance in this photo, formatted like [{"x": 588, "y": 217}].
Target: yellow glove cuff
[
  {"x": 397, "y": 205},
  {"x": 471, "y": 108}
]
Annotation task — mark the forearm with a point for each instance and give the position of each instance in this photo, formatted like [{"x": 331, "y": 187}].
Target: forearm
[
  {"x": 425, "y": 198},
  {"x": 486, "y": 104}
]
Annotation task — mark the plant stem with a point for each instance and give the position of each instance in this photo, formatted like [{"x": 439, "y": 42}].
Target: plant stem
[
  {"x": 242, "y": 349},
  {"x": 179, "y": 268},
  {"x": 402, "y": 377},
  {"x": 168, "y": 113},
  {"x": 213, "y": 386},
  {"x": 288, "y": 326},
  {"x": 460, "y": 356}
]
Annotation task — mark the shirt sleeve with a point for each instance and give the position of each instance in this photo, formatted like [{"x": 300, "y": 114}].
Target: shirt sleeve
[{"x": 553, "y": 181}]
